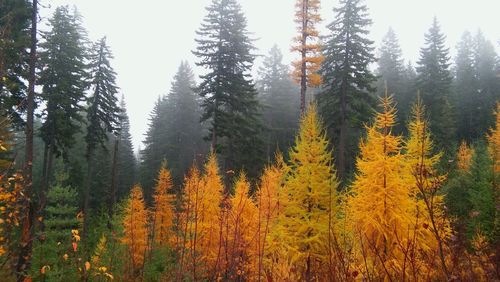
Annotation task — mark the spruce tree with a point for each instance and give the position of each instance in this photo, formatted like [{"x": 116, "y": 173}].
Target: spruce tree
[
  {"x": 15, "y": 22},
  {"x": 434, "y": 83},
  {"x": 102, "y": 112},
  {"x": 347, "y": 81},
  {"x": 229, "y": 97},
  {"x": 126, "y": 164},
  {"x": 64, "y": 80},
  {"x": 280, "y": 106}
]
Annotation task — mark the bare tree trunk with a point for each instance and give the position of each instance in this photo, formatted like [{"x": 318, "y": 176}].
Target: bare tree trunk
[
  {"x": 27, "y": 231},
  {"x": 86, "y": 199},
  {"x": 303, "y": 67},
  {"x": 113, "y": 178}
]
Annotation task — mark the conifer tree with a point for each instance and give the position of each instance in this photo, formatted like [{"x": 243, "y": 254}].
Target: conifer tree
[
  {"x": 125, "y": 163},
  {"x": 380, "y": 208},
  {"x": 310, "y": 186},
  {"x": 229, "y": 97},
  {"x": 14, "y": 42},
  {"x": 281, "y": 108},
  {"x": 211, "y": 218},
  {"x": 347, "y": 80},
  {"x": 163, "y": 209},
  {"x": 307, "y": 45},
  {"x": 434, "y": 83},
  {"x": 464, "y": 157},
  {"x": 241, "y": 257},
  {"x": 102, "y": 112},
  {"x": 135, "y": 230},
  {"x": 64, "y": 80}
]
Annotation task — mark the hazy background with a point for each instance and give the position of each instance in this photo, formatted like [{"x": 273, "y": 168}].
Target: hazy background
[{"x": 149, "y": 38}]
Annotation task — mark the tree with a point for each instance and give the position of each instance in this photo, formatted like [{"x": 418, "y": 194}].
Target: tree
[
  {"x": 125, "y": 158},
  {"x": 307, "y": 45},
  {"x": 135, "y": 231},
  {"x": 163, "y": 209},
  {"x": 64, "y": 80},
  {"x": 380, "y": 208},
  {"x": 102, "y": 112},
  {"x": 310, "y": 186},
  {"x": 347, "y": 80},
  {"x": 229, "y": 97},
  {"x": 280, "y": 109},
  {"x": 434, "y": 82},
  {"x": 15, "y": 41},
  {"x": 464, "y": 157},
  {"x": 175, "y": 131},
  {"x": 393, "y": 71}
]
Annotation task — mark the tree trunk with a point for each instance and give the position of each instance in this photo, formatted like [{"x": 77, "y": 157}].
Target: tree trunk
[
  {"x": 303, "y": 67},
  {"x": 27, "y": 231},
  {"x": 113, "y": 178},
  {"x": 86, "y": 194}
]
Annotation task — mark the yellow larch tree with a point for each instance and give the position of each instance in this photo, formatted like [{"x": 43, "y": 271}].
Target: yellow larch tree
[
  {"x": 307, "y": 45},
  {"x": 135, "y": 231},
  {"x": 211, "y": 217},
  {"x": 464, "y": 157},
  {"x": 269, "y": 199},
  {"x": 432, "y": 227},
  {"x": 309, "y": 214},
  {"x": 381, "y": 207},
  {"x": 241, "y": 247},
  {"x": 163, "y": 211},
  {"x": 189, "y": 222}
]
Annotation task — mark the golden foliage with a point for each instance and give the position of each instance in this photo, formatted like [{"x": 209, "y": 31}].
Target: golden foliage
[
  {"x": 464, "y": 157},
  {"x": 135, "y": 230},
  {"x": 163, "y": 209}
]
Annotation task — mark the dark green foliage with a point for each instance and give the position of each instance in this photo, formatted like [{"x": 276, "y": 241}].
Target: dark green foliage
[
  {"x": 103, "y": 110},
  {"x": 126, "y": 163},
  {"x": 175, "y": 133},
  {"x": 434, "y": 83},
  {"x": 63, "y": 78},
  {"x": 470, "y": 196},
  {"x": 56, "y": 239},
  {"x": 347, "y": 99},
  {"x": 281, "y": 104},
  {"x": 229, "y": 97},
  {"x": 15, "y": 20}
]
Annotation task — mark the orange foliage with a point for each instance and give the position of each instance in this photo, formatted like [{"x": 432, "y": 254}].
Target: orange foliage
[{"x": 163, "y": 209}]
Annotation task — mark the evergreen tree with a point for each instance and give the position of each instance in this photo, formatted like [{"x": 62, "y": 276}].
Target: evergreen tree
[
  {"x": 102, "y": 111},
  {"x": 393, "y": 71},
  {"x": 15, "y": 18},
  {"x": 125, "y": 159},
  {"x": 310, "y": 188},
  {"x": 347, "y": 81},
  {"x": 280, "y": 107},
  {"x": 175, "y": 133},
  {"x": 434, "y": 83},
  {"x": 307, "y": 45},
  {"x": 64, "y": 80},
  {"x": 229, "y": 97}
]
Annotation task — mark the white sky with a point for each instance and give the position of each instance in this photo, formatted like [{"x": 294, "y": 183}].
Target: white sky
[{"x": 149, "y": 38}]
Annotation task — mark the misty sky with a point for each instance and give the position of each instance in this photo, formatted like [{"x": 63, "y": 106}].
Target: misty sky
[{"x": 149, "y": 38}]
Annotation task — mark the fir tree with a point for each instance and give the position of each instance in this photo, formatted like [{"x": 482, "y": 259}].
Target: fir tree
[
  {"x": 102, "y": 112},
  {"x": 280, "y": 107},
  {"x": 434, "y": 82},
  {"x": 125, "y": 159},
  {"x": 347, "y": 81},
  {"x": 307, "y": 45},
  {"x": 64, "y": 80},
  {"x": 229, "y": 97}
]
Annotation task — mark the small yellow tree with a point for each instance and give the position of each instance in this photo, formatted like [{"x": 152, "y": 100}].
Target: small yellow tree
[
  {"x": 163, "y": 209},
  {"x": 135, "y": 231},
  {"x": 381, "y": 207},
  {"x": 308, "y": 47},
  {"x": 310, "y": 186},
  {"x": 241, "y": 249}
]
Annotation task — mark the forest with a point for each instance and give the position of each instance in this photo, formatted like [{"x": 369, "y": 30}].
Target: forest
[{"x": 349, "y": 164}]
